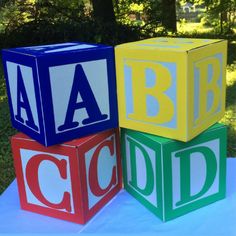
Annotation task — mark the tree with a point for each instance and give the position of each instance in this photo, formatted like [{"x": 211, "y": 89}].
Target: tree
[
  {"x": 168, "y": 15},
  {"x": 154, "y": 14},
  {"x": 15, "y": 13},
  {"x": 103, "y": 11},
  {"x": 221, "y": 14},
  {"x": 224, "y": 12}
]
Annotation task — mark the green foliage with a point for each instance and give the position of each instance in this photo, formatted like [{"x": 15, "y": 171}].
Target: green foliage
[
  {"x": 221, "y": 14},
  {"x": 138, "y": 12},
  {"x": 48, "y": 21},
  {"x": 16, "y": 13}
]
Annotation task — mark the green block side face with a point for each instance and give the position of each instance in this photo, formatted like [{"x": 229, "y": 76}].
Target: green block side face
[
  {"x": 194, "y": 172},
  {"x": 142, "y": 169}
]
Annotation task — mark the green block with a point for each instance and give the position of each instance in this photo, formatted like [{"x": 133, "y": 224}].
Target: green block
[{"x": 172, "y": 178}]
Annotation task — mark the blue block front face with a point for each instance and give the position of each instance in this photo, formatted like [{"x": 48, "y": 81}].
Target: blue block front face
[{"x": 63, "y": 91}]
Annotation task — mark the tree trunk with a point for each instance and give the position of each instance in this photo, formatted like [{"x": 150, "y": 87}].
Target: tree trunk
[
  {"x": 169, "y": 15},
  {"x": 221, "y": 23},
  {"x": 103, "y": 11}
]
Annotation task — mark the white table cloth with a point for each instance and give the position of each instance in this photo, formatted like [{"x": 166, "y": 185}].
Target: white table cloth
[{"x": 125, "y": 215}]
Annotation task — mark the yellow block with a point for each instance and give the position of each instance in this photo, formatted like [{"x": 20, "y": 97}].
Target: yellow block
[{"x": 171, "y": 87}]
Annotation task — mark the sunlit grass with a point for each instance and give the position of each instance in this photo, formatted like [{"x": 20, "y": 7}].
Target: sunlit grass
[
  {"x": 191, "y": 27},
  {"x": 231, "y": 75}
]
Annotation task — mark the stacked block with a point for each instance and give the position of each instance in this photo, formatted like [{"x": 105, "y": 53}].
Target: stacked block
[
  {"x": 59, "y": 93},
  {"x": 172, "y": 178},
  {"x": 172, "y": 89},
  {"x": 70, "y": 181},
  {"x": 171, "y": 92}
]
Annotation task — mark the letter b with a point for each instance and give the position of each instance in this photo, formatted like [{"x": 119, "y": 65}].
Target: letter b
[
  {"x": 142, "y": 92},
  {"x": 208, "y": 86}
]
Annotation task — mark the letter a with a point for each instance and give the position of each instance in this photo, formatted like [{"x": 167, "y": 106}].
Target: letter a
[
  {"x": 81, "y": 85},
  {"x": 23, "y": 102}
]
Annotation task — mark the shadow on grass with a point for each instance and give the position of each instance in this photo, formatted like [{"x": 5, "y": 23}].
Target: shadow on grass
[
  {"x": 231, "y": 53},
  {"x": 6, "y": 131},
  {"x": 230, "y": 119},
  {"x": 6, "y": 160},
  {"x": 231, "y": 95},
  {"x": 231, "y": 141}
]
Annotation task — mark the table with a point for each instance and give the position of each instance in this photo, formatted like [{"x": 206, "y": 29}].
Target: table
[{"x": 125, "y": 215}]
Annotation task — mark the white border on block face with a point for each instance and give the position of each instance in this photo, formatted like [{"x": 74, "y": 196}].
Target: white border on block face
[
  {"x": 61, "y": 79},
  {"x": 49, "y": 46},
  {"x": 198, "y": 173},
  {"x": 106, "y": 162},
  {"x": 141, "y": 170},
  {"x": 27, "y": 76},
  {"x": 76, "y": 47},
  {"x": 60, "y": 47},
  {"x": 51, "y": 184}
]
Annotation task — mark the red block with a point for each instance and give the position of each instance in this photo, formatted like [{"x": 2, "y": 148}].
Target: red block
[{"x": 71, "y": 181}]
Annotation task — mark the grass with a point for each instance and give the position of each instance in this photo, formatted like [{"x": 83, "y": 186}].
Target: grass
[
  {"x": 230, "y": 114},
  {"x": 192, "y": 27},
  {"x": 6, "y": 130}
]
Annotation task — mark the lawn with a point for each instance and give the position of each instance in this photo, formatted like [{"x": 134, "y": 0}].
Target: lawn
[
  {"x": 192, "y": 27},
  {"x": 230, "y": 114},
  {"x": 6, "y": 131}
]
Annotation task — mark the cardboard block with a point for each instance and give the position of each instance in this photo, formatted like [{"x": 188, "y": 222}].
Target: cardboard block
[
  {"x": 63, "y": 91},
  {"x": 71, "y": 181},
  {"x": 172, "y": 178},
  {"x": 171, "y": 87}
]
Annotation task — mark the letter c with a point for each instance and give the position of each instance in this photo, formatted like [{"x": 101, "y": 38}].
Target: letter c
[
  {"x": 93, "y": 170},
  {"x": 32, "y": 178}
]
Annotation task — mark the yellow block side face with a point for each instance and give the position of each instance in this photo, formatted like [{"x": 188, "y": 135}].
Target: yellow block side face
[
  {"x": 206, "y": 86},
  {"x": 152, "y": 91}
]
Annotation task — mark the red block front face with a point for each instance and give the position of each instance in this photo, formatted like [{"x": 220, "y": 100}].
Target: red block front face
[{"x": 71, "y": 181}]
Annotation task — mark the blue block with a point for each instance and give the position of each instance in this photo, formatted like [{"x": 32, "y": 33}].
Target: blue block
[{"x": 63, "y": 91}]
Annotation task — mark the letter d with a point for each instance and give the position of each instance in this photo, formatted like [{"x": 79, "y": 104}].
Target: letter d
[
  {"x": 148, "y": 189},
  {"x": 185, "y": 173}
]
